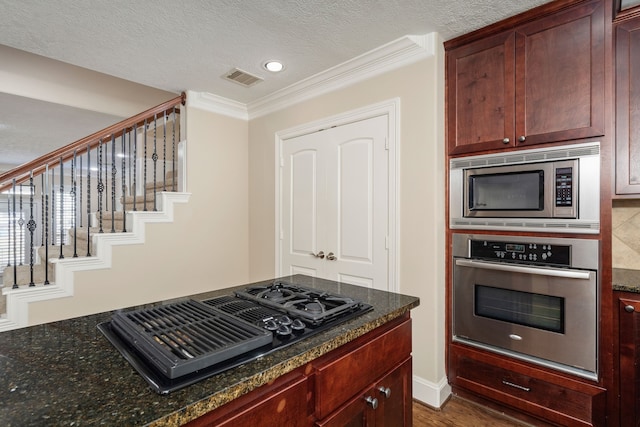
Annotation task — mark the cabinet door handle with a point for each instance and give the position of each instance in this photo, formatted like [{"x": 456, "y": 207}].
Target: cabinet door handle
[
  {"x": 331, "y": 256},
  {"x": 522, "y": 138},
  {"x": 318, "y": 255},
  {"x": 386, "y": 391},
  {"x": 629, "y": 308},
  {"x": 371, "y": 401},
  {"x": 519, "y": 387},
  {"x": 506, "y": 141}
]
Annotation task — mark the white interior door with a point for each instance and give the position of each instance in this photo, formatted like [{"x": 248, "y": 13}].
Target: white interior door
[{"x": 335, "y": 203}]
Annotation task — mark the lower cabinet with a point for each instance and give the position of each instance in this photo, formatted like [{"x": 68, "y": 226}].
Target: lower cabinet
[
  {"x": 629, "y": 348},
  {"x": 385, "y": 403},
  {"x": 554, "y": 398},
  {"x": 366, "y": 382}
]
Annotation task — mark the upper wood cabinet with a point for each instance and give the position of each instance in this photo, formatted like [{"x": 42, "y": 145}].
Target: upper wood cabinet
[
  {"x": 627, "y": 69},
  {"x": 538, "y": 83}
]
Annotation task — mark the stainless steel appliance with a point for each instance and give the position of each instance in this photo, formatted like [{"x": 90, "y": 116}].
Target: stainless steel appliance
[
  {"x": 179, "y": 344},
  {"x": 534, "y": 299},
  {"x": 544, "y": 189}
]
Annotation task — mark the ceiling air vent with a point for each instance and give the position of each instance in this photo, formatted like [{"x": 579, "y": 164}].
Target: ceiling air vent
[{"x": 242, "y": 77}]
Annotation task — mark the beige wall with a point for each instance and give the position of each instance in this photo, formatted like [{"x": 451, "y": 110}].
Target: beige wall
[
  {"x": 626, "y": 234},
  {"x": 37, "y": 77},
  {"x": 421, "y": 149},
  {"x": 206, "y": 247}
]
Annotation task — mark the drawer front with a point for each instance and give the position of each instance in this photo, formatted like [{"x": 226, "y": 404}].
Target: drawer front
[
  {"x": 553, "y": 402},
  {"x": 339, "y": 379}
]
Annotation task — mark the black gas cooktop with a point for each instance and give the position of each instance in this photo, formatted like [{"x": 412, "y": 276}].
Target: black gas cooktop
[{"x": 176, "y": 345}]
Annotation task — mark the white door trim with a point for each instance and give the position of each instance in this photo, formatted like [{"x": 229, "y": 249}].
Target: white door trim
[{"x": 389, "y": 108}]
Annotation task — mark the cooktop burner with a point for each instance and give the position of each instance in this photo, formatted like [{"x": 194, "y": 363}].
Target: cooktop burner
[{"x": 179, "y": 344}]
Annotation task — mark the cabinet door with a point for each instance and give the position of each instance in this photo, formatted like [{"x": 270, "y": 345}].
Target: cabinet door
[
  {"x": 628, "y": 107},
  {"x": 480, "y": 95},
  {"x": 629, "y": 362},
  {"x": 560, "y": 76},
  {"x": 394, "y": 397}
]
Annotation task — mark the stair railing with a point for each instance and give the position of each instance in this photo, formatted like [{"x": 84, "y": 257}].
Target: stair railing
[{"x": 46, "y": 202}]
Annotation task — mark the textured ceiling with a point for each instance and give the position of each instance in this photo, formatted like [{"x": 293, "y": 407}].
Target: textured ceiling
[{"x": 190, "y": 44}]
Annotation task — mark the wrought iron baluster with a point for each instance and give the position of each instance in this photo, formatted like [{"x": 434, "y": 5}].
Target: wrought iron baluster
[
  {"x": 74, "y": 190},
  {"x": 80, "y": 205},
  {"x": 61, "y": 224},
  {"x": 42, "y": 214},
  {"x": 113, "y": 183},
  {"x": 46, "y": 226},
  {"x": 89, "y": 199},
  {"x": 8, "y": 231},
  {"x": 144, "y": 181},
  {"x": 100, "y": 185},
  {"x": 21, "y": 234},
  {"x": 13, "y": 218},
  {"x": 54, "y": 235},
  {"x": 124, "y": 184},
  {"x": 164, "y": 150},
  {"x": 135, "y": 167},
  {"x": 31, "y": 226},
  {"x": 155, "y": 158},
  {"x": 106, "y": 176},
  {"x": 173, "y": 153}
]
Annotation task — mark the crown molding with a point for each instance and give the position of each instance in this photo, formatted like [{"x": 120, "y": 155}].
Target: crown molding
[{"x": 398, "y": 53}]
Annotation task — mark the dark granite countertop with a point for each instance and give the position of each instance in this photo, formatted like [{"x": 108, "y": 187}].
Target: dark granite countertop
[
  {"x": 626, "y": 280},
  {"x": 67, "y": 374}
]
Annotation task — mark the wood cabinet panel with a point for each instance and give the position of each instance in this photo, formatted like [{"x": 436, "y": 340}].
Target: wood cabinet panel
[
  {"x": 339, "y": 379},
  {"x": 539, "y": 83},
  {"x": 629, "y": 347},
  {"x": 553, "y": 398},
  {"x": 627, "y": 71}
]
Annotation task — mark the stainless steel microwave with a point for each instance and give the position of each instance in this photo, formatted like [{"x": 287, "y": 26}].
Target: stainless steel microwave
[{"x": 556, "y": 188}]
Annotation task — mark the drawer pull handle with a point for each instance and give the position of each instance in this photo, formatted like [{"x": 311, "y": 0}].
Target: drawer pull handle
[
  {"x": 371, "y": 401},
  {"x": 519, "y": 387},
  {"x": 385, "y": 390}
]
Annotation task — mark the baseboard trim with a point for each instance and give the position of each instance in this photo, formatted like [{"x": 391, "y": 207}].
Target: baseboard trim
[{"x": 430, "y": 393}]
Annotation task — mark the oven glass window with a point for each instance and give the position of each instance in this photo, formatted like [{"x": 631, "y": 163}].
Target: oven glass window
[
  {"x": 523, "y": 308},
  {"x": 520, "y": 191}
]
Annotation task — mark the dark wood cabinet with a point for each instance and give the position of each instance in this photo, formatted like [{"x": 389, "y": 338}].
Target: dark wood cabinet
[
  {"x": 536, "y": 392},
  {"x": 629, "y": 352},
  {"x": 538, "y": 83},
  {"x": 340, "y": 388},
  {"x": 627, "y": 72}
]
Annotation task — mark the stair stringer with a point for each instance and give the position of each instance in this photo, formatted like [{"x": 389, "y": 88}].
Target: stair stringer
[{"x": 18, "y": 300}]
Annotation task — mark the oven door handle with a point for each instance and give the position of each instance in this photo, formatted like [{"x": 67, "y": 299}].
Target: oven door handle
[{"x": 570, "y": 274}]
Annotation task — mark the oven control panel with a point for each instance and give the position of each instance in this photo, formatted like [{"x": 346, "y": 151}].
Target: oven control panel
[{"x": 530, "y": 253}]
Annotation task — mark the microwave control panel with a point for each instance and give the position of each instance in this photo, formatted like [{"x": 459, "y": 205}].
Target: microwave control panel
[
  {"x": 564, "y": 187},
  {"x": 530, "y": 253}
]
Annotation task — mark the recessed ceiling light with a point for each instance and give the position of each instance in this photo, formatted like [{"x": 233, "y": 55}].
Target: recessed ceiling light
[{"x": 274, "y": 66}]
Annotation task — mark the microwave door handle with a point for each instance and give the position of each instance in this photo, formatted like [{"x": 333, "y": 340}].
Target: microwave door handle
[{"x": 570, "y": 274}]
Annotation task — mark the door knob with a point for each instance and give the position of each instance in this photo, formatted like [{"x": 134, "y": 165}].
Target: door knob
[
  {"x": 628, "y": 308},
  {"x": 318, "y": 255},
  {"x": 506, "y": 141},
  {"x": 522, "y": 138},
  {"x": 331, "y": 256},
  {"x": 385, "y": 390},
  {"x": 371, "y": 401}
]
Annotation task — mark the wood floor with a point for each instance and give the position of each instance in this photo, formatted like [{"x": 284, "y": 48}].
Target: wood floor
[{"x": 459, "y": 412}]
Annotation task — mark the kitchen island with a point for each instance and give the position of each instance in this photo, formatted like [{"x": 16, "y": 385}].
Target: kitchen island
[{"x": 68, "y": 374}]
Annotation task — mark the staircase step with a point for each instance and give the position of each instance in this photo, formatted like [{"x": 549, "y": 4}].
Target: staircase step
[
  {"x": 67, "y": 250},
  {"x": 23, "y": 273}
]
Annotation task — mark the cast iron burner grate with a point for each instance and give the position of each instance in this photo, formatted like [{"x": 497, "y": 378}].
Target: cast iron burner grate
[{"x": 184, "y": 337}]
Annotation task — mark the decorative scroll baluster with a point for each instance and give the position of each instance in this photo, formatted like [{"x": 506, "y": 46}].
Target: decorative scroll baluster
[
  {"x": 54, "y": 235},
  {"x": 164, "y": 150},
  {"x": 113, "y": 183},
  {"x": 80, "y": 174},
  {"x": 155, "y": 159},
  {"x": 74, "y": 193},
  {"x": 13, "y": 217},
  {"x": 124, "y": 184},
  {"x": 89, "y": 199},
  {"x": 42, "y": 214},
  {"x": 144, "y": 181},
  {"x": 61, "y": 209},
  {"x": 100, "y": 185},
  {"x": 173, "y": 153},
  {"x": 46, "y": 226},
  {"x": 106, "y": 176},
  {"x": 31, "y": 226},
  {"x": 21, "y": 234},
  {"x": 135, "y": 167}
]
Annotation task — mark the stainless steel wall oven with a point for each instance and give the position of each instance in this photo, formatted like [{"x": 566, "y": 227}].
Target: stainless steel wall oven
[{"x": 534, "y": 299}]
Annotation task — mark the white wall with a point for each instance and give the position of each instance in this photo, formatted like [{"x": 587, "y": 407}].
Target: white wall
[{"x": 420, "y": 88}]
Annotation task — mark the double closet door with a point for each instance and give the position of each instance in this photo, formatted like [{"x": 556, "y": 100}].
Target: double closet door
[{"x": 334, "y": 204}]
